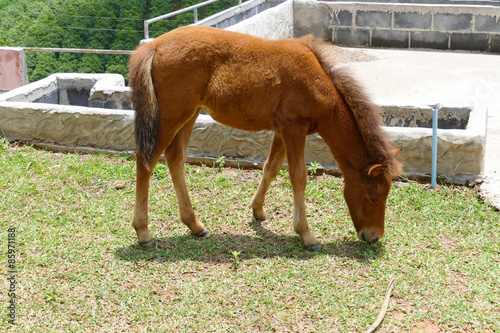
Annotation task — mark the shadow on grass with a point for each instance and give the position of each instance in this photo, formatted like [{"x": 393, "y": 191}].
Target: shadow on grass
[{"x": 217, "y": 248}]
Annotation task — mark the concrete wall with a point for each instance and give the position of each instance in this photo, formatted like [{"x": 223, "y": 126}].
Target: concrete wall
[
  {"x": 274, "y": 23},
  {"x": 235, "y": 14},
  {"x": 444, "y": 27},
  {"x": 94, "y": 90},
  {"x": 12, "y": 68},
  {"x": 460, "y": 152},
  {"x": 436, "y": 2}
]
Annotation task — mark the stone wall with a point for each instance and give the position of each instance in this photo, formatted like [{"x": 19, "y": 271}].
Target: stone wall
[{"x": 443, "y": 27}]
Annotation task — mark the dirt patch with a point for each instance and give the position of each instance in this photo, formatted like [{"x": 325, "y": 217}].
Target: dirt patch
[
  {"x": 459, "y": 284},
  {"x": 425, "y": 326},
  {"x": 405, "y": 306}
]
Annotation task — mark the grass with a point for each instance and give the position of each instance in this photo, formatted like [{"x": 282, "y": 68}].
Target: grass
[{"x": 80, "y": 270}]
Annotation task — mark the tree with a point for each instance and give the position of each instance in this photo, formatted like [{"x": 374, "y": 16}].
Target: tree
[{"x": 95, "y": 24}]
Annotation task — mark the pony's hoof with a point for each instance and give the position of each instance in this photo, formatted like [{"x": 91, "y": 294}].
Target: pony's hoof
[
  {"x": 314, "y": 248},
  {"x": 259, "y": 214},
  {"x": 259, "y": 218},
  {"x": 148, "y": 245},
  {"x": 204, "y": 233}
]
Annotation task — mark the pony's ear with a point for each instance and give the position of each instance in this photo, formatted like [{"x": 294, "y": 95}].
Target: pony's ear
[
  {"x": 376, "y": 169},
  {"x": 395, "y": 152}
]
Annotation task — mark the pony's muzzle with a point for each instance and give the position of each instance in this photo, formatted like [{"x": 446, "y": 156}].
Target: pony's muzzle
[{"x": 369, "y": 237}]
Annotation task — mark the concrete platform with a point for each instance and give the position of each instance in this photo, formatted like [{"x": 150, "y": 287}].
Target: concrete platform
[{"x": 454, "y": 79}]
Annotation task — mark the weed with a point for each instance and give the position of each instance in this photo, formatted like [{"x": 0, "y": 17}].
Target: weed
[
  {"x": 235, "y": 264},
  {"x": 221, "y": 161},
  {"x": 313, "y": 167}
]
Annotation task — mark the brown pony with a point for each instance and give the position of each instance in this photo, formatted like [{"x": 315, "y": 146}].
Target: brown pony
[{"x": 287, "y": 86}]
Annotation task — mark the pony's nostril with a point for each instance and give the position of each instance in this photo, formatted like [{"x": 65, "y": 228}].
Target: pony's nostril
[{"x": 370, "y": 239}]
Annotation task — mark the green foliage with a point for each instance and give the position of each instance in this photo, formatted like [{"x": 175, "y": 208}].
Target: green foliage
[{"x": 88, "y": 24}]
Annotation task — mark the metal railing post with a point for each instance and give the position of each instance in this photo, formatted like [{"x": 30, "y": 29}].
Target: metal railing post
[{"x": 146, "y": 29}]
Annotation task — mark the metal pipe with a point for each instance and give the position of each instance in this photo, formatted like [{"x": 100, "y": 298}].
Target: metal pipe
[
  {"x": 55, "y": 49},
  {"x": 434, "y": 146},
  {"x": 177, "y": 12}
]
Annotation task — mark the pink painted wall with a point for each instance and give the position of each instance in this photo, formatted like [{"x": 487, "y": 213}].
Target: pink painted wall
[{"x": 12, "y": 68}]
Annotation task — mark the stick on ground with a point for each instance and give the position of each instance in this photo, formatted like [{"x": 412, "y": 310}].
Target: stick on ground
[{"x": 383, "y": 309}]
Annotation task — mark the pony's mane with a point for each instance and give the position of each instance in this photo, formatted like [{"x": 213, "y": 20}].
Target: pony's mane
[{"x": 366, "y": 113}]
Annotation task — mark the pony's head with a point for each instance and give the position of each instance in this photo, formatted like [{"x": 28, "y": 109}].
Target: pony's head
[{"x": 366, "y": 193}]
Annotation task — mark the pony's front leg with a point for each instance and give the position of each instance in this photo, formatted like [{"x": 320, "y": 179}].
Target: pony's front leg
[
  {"x": 272, "y": 167},
  {"x": 140, "y": 219},
  {"x": 295, "y": 145}
]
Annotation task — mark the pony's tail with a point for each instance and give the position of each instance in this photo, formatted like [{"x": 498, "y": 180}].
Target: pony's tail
[{"x": 144, "y": 102}]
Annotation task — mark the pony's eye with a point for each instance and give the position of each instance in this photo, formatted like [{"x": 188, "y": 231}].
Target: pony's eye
[{"x": 372, "y": 198}]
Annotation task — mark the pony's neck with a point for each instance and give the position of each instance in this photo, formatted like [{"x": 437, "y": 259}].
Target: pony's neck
[{"x": 341, "y": 134}]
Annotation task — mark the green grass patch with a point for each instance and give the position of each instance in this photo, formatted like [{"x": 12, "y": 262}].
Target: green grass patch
[{"x": 80, "y": 269}]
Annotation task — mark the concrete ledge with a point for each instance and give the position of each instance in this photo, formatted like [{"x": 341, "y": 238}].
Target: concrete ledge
[
  {"x": 110, "y": 93},
  {"x": 72, "y": 126},
  {"x": 69, "y": 89}
]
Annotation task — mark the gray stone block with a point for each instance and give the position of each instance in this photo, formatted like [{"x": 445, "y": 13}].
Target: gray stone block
[
  {"x": 495, "y": 44},
  {"x": 351, "y": 37},
  {"x": 374, "y": 19},
  {"x": 469, "y": 42},
  {"x": 429, "y": 39},
  {"x": 390, "y": 38},
  {"x": 341, "y": 18},
  {"x": 487, "y": 23},
  {"x": 412, "y": 21},
  {"x": 460, "y": 22},
  {"x": 311, "y": 17}
]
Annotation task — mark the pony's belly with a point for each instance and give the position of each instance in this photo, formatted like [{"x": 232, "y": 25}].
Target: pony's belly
[{"x": 242, "y": 119}]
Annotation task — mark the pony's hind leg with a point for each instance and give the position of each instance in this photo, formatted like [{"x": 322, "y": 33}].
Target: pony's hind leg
[
  {"x": 140, "y": 219},
  {"x": 176, "y": 157},
  {"x": 272, "y": 167},
  {"x": 174, "y": 136},
  {"x": 295, "y": 144}
]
